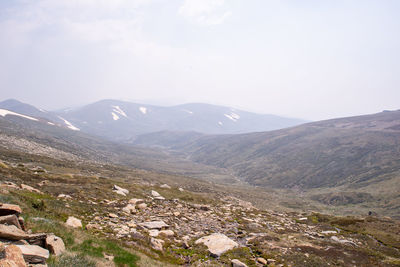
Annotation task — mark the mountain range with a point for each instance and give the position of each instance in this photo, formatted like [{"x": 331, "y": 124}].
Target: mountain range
[
  {"x": 123, "y": 121},
  {"x": 354, "y": 160}
]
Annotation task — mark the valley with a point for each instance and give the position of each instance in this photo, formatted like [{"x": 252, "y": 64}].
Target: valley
[{"x": 318, "y": 194}]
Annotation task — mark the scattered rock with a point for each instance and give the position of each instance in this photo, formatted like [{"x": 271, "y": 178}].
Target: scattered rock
[
  {"x": 165, "y": 186},
  {"x": 130, "y": 208},
  {"x": 237, "y": 263},
  {"x": 329, "y": 232},
  {"x": 135, "y": 201},
  {"x": 30, "y": 188},
  {"x": 262, "y": 261},
  {"x": 92, "y": 226},
  {"x": 9, "y": 209},
  {"x": 342, "y": 241},
  {"x": 168, "y": 233},
  {"x": 142, "y": 206},
  {"x": 64, "y": 196},
  {"x": 157, "y": 244},
  {"x": 10, "y": 220},
  {"x": 181, "y": 189},
  {"x": 112, "y": 215},
  {"x": 120, "y": 190},
  {"x": 154, "y": 225},
  {"x": 108, "y": 257},
  {"x": 55, "y": 245},
  {"x": 156, "y": 195},
  {"x": 154, "y": 233},
  {"x": 74, "y": 222},
  {"x": 34, "y": 254},
  {"x": 11, "y": 232},
  {"x": 12, "y": 257},
  {"x": 42, "y": 183},
  {"x": 217, "y": 244}
]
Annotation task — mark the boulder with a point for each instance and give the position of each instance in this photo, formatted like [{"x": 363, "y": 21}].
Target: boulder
[
  {"x": 130, "y": 208},
  {"x": 12, "y": 257},
  {"x": 30, "y": 188},
  {"x": 64, "y": 196},
  {"x": 262, "y": 261},
  {"x": 142, "y": 206},
  {"x": 55, "y": 245},
  {"x": 156, "y": 195},
  {"x": 11, "y": 232},
  {"x": 112, "y": 215},
  {"x": 10, "y": 220},
  {"x": 34, "y": 254},
  {"x": 181, "y": 189},
  {"x": 135, "y": 201},
  {"x": 120, "y": 190},
  {"x": 74, "y": 222},
  {"x": 165, "y": 186},
  {"x": 167, "y": 233},
  {"x": 237, "y": 263},
  {"x": 9, "y": 209},
  {"x": 154, "y": 233},
  {"x": 217, "y": 244},
  {"x": 157, "y": 244},
  {"x": 154, "y": 225}
]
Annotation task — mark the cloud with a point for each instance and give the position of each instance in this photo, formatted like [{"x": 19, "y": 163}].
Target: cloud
[{"x": 204, "y": 12}]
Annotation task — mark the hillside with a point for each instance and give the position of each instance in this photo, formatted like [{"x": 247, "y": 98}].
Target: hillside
[
  {"x": 323, "y": 154},
  {"x": 349, "y": 163},
  {"x": 132, "y": 217}
]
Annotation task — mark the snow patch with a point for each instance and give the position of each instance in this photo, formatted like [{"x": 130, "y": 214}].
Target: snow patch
[
  {"x": 69, "y": 125},
  {"x": 188, "y": 111},
  {"x": 4, "y": 112},
  {"x": 42, "y": 110},
  {"x": 50, "y": 123},
  {"x": 220, "y": 123},
  {"x": 115, "y": 116},
  {"x": 233, "y": 116},
  {"x": 143, "y": 110},
  {"x": 118, "y": 110}
]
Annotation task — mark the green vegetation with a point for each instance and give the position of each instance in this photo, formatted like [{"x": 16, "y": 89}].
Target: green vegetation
[
  {"x": 71, "y": 261},
  {"x": 98, "y": 248}
]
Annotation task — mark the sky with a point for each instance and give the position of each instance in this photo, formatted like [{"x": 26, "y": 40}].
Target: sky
[{"x": 310, "y": 59}]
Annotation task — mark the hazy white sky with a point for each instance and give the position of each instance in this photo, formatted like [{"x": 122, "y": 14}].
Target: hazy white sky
[{"x": 308, "y": 59}]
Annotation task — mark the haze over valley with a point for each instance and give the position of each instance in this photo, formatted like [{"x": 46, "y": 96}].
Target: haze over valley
[{"x": 199, "y": 133}]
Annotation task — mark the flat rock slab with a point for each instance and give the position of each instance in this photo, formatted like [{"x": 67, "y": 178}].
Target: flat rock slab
[
  {"x": 11, "y": 232},
  {"x": 10, "y": 220},
  {"x": 12, "y": 257},
  {"x": 154, "y": 225},
  {"x": 237, "y": 263},
  {"x": 9, "y": 209},
  {"x": 34, "y": 254},
  {"x": 217, "y": 244}
]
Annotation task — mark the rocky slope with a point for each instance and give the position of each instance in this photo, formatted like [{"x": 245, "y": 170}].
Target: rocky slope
[{"x": 175, "y": 225}]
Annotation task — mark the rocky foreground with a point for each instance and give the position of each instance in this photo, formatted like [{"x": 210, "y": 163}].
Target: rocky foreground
[
  {"x": 20, "y": 248},
  {"x": 232, "y": 232},
  {"x": 175, "y": 226}
]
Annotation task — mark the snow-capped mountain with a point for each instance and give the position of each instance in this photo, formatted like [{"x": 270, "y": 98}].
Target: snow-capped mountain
[
  {"x": 123, "y": 121},
  {"x": 15, "y": 108},
  {"x": 120, "y": 120}
]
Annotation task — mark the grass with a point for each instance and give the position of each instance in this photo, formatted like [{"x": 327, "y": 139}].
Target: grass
[
  {"x": 71, "y": 260},
  {"x": 97, "y": 248}
]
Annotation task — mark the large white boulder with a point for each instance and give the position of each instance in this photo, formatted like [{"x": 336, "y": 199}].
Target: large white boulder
[{"x": 217, "y": 243}]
